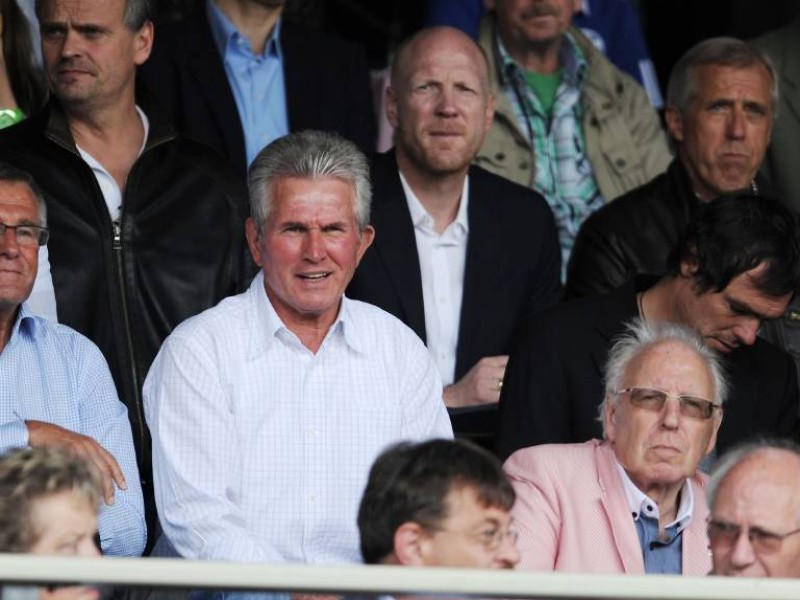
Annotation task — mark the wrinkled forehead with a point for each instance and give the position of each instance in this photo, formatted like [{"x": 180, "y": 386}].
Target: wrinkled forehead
[{"x": 670, "y": 366}]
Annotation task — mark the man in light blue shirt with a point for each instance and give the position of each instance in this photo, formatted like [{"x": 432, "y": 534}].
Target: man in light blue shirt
[
  {"x": 55, "y": 386},
  {"x": 253, "y": 62}
]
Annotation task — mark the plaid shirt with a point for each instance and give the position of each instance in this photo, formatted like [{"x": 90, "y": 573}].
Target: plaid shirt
[{"x": 563, "y": 173}]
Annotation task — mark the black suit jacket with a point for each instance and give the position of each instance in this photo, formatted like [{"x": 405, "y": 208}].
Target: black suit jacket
[
  {"x": 512, "y": 268},
  {"x": 327, "y": 86},
  {"x": 554, "y": 380}
]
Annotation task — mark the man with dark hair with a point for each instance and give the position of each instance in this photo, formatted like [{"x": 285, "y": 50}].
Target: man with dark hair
[
  {"x": 736, "y": 266},
  {"x": 146, "y": 227},
  {"x": 438, "y": 503},
  {"x": 721, "y": 103},
  {"x": 754, "y": 497}
]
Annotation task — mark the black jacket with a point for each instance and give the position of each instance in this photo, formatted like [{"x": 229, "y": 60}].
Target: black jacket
[
  {"x": 511, "y": 271},
  {"x": 634, "y": 234},
  {"x": 327, "y": 86},
  {"x": 179, "y": 247}
]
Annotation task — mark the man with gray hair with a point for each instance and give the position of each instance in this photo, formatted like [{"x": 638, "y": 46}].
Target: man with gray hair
[
  {"x": 721, "y": 102},
  {"x": 636, "y": 496},
  {"x": 754, "y": 498},
  {"x": 267, "y": 411}
]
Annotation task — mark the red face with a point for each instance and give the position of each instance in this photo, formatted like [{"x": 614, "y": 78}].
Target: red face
[
  {"x": 724, "y": 132},
  {"x": 309, "y": 248}
]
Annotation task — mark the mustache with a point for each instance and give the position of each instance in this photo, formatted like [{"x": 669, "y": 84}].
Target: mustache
[
  {"x": 76, "y": 64},
  {"x": 540, "y": 9}
]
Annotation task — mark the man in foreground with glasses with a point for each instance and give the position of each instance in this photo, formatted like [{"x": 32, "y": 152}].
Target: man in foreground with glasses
[
  {"x": 754, "y": 495},
  {"x": 439, "y": 503},
  {"x": 55, "y": 386},
  {"x": 634, "y": 502}
]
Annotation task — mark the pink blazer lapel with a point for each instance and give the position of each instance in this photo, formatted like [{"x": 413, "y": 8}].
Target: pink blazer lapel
[
  {"x": 612, "y": 498},
  {"x": 696, "y": 558}
]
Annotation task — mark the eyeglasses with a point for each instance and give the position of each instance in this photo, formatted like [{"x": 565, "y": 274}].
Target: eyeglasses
[
  {"x": 654, "y": 400},
  {"x": 27, "y": 235},
  {"x": 724, "y": 534},
  {"x": 490, "y": 538}
]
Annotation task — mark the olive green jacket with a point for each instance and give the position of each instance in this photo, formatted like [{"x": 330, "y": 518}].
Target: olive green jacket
[{"x": 625, "y": 143}]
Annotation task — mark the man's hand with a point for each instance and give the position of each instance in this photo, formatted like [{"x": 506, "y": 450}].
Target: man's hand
[
  {"x": 481, "y": 384},
  {"x": 47, "y": 434}
]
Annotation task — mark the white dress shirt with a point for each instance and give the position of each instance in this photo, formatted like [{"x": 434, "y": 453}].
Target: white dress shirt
[
  {"x": 261, "y": 448},
  {"x": 641, "y": 504},
  {"x": 441, "y": 264}
]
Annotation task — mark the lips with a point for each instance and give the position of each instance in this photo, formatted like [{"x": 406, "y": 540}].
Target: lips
[{"x": 314, "y": 276}]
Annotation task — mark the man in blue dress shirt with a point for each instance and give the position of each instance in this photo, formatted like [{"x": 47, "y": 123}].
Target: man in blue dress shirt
[{"x": 55, "y": 386}]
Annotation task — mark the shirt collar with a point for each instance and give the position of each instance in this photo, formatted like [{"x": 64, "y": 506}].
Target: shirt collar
[
  {"x": 271, "y": 327},
  {"x": 421, "y": 218},
  {"x": 228, "y": 39},
  {"x": 570, "y": 57},
  {"x": 25, "y": 324},
  {"x": 640, "y": 504}
]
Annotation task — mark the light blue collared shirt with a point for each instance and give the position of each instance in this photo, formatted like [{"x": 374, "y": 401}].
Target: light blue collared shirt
[
  {"x": 256, "y": 81},
  {"x": 51, "y": 373}
]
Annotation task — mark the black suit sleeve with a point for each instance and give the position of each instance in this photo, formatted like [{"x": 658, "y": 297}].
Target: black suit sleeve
[{"x": 597, "y": 264}]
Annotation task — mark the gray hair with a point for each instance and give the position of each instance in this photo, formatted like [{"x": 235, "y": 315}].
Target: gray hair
[
  {"x": 640, "y": 336},
  {"x": 137, "y": 13},
  {"x": 11, "y": 174},
  {"x": 309, "y": 155},
  {"x": 740, "y": 453},
  {"x": 718, "y": 51},
  {"x": 29, "y": 474}
]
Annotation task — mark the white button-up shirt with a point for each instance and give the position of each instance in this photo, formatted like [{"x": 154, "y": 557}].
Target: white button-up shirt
[
  {"x": 442, "y": 260},
  {"x": 261, "y": 448}
]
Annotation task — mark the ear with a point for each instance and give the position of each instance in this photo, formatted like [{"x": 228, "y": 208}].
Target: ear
[
  {"x": 367, "y": 237},
  {"x": 610, "y": 418},
  {"x": 688, "y": 268},
  {"x": 391, "y": 106},
  {"x": 674, "y": 121},
  {"x": 143, "y": 43},
  {"x": 409, "y": 544},
  {"x": 490, "y": 106},
  {"x": 251, "y": 233}
]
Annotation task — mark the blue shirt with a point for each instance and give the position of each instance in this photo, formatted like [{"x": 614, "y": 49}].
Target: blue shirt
[
  {"x": 661, "y": 556},
  {"x": 51, "y": 373},
  {"x": 256, "y": 81}
]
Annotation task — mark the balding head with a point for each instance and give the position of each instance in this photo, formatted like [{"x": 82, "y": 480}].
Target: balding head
[
  {"x": 439, "y": 102},
  {"x": 754, "y": 497}
]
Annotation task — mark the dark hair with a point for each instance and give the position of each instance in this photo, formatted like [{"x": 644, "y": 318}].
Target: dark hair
[
  {"x": 12, "y": 174},
  {"x": 736, "y": 233},
  {"x": 30, "y": 474},
  {"x": 27, "y": 83},
  {"x": 410, "y": 482}
]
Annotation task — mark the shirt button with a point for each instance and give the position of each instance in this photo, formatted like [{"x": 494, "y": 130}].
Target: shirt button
[{"x": 313, "y": 498}]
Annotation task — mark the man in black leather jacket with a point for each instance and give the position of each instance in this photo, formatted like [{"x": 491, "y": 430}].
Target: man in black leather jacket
[
  {"x": 720, "y": 108},
  {"x": 146, "y": 228}
]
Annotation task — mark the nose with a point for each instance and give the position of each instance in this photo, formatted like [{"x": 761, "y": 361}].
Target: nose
[
  {"x": 8, "y": 243},
  {"x": 747, "y": 331},
  {"x": 314, "y": 246},
  {"x": 736, "y": 124},
  {"x": 671, "y": 413},
  {"x": 446, "y": 105},
  {"x": 741, "y": 553},
  {"x": 70, "y": 46},
  {"x": 507, "y": 553}
]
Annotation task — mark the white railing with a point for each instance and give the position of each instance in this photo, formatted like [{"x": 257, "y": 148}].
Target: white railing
[{"x": 20, "y": 569}]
